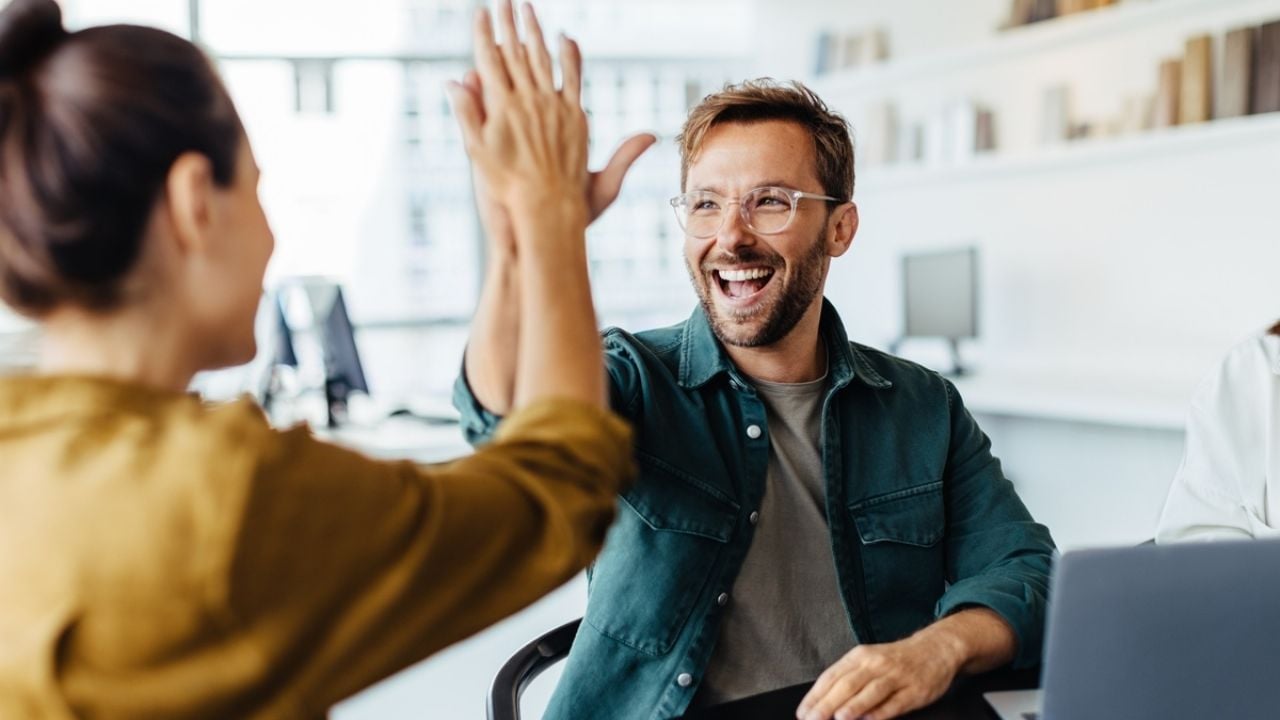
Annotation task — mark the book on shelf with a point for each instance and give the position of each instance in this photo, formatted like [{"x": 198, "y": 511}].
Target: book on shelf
[
  {"x": 1168, "y": 91},
  {"x": 1021, "y": 12},
  {"x": 1236, "y": 87},
  {"x": 1044, "y": 10},
  {"x": 1266, "y": 88},
  {"x": 822, "y": 62},
  {"x": 1196, "y": 96}
]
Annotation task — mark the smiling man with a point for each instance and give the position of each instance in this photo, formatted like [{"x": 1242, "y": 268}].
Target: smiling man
[{"x": 807, "y": 507}]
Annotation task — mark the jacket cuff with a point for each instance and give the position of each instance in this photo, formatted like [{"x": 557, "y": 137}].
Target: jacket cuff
[
  {"x": 478, "y": 424},
  {"x": 1022, "y": 606}
]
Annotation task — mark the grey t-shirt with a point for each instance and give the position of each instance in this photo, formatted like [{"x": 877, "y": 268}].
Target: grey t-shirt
[{"x": 785, "y": 622}]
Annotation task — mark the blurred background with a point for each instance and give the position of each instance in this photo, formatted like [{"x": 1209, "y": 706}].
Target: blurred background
[{"x": 1075, "y": 200}]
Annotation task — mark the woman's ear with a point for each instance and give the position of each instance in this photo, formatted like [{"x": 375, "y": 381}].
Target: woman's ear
[
  {"x": 841, "y": 228},
  {"x": 189, "y": 199}
]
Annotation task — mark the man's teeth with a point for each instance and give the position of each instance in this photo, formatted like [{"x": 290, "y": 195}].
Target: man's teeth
[{"x": 740, "y": 275}]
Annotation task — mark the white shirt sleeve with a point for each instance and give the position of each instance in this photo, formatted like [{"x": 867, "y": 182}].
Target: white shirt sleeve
[{"x": 1220, "y": 490}]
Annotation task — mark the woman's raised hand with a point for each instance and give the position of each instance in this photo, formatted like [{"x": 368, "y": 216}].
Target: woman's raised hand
[{"x": 526, "y": 136}]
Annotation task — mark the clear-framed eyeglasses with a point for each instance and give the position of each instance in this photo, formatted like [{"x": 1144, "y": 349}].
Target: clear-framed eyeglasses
[{"x": 766, "y": 210}]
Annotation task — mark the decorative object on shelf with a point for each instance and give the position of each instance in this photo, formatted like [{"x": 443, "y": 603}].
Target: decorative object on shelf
[
  {"x": 1237, "y": 74},
  {"x": 1055, "y": 115},
  {"x": 985, "y": 139},
  {"x": 962, "y": 132},
  {"x": 841, "y": 51},
  {"x": 1266, "y": 89},
  {"x": 911, "y": 143},
  {"x": 879, "y": 141},
  {"x": 1196, "y": 96},
  {"x": 1168, "y": 94}
]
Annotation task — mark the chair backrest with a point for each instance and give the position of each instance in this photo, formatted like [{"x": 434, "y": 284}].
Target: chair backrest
[{"x": 525, "y": 665}]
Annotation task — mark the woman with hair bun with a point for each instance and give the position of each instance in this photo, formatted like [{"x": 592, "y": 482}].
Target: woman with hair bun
[
  {"x": 1228, "y": 486},
  {"x": 164, "y": 558}
]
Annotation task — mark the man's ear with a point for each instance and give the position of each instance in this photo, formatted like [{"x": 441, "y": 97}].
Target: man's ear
[
  {"x": 841, "y": 227},
  {"x": 189, "y": 200}
]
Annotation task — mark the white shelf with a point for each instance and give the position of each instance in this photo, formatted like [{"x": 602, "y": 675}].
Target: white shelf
[
  {"x": 1035, "y": 39},
  {"x": 1157, "y": 144}
]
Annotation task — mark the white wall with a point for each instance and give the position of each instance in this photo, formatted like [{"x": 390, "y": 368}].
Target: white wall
[{"x": 1129, "y": 262}]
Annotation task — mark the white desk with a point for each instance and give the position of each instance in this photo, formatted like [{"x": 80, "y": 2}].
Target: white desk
[
  {"x": 1141, "y": 401},
  {"x": 402, "y": 438}
]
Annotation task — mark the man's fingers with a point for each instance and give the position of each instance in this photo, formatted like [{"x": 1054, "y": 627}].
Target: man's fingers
[
  {"x": 492, "y": 68},
  {"x": 894, "y": 706},
  {"x": 607, "y": 183},
  {"x": 466, "y": 108},
  {"x": 571, "y": 70},
  {"x": 822, "y": 685},
  {"x": 472, "y": 84},
  {"x": 831, "y": 691},
  {"x": 536, "y": 48},
  {"x": 871, "y": 696}
]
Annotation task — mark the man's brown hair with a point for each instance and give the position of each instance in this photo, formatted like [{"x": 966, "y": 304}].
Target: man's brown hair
[
  {"x": 1275, "y": 329},
  {"x": 767, "y": 99}
]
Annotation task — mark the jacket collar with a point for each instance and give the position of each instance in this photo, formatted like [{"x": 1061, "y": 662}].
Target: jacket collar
[{"x": 702, "y": 357}]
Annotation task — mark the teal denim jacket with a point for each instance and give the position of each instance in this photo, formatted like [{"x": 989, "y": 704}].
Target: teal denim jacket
[{"x": 922, "y": 520}]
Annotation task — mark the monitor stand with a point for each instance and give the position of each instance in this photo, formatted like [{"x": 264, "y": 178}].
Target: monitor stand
[{"x": 957, "y": 368}]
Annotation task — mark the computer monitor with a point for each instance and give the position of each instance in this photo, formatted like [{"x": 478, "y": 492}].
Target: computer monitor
[
  {"x": 343, "y": 371},
  {"x": 277, "y": 339},
  {"x": 940, "y": 297}
]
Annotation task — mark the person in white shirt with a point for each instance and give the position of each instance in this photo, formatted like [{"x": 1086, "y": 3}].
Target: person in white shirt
[{"x": 1228, "y": 486}]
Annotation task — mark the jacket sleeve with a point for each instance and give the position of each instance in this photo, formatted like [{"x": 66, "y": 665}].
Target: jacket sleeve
[
  {"x": 1218, "y": 489},
  {"x": 479, "y": 424},
  {"x": 998, "y": 557},
  {"x": 347, "y": 569}
]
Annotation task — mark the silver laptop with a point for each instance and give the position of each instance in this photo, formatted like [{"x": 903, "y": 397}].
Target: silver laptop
[{"x": 1160, "y": 633}]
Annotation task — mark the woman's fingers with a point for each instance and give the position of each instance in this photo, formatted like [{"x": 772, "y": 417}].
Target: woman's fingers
[
  {"x": 489, "y": 62},
  {"x": 513, "y": 50},
  {"x": 536, "y": 47}
]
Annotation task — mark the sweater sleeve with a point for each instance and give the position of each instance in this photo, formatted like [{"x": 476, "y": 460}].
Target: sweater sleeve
[
  {"x": 346, "y": 569},
  {"x": 1218, "y": 492}
]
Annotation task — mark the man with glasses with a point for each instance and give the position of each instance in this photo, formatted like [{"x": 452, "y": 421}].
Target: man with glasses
[{"x": 807, "y": 507}]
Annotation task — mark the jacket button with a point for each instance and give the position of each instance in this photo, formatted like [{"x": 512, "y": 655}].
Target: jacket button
[
  {"x": 753, "y": 431},
  {"x": 723, "y": 599},
  {"x": 684, "y": 679},
  {"x": 754, "y": 517}
]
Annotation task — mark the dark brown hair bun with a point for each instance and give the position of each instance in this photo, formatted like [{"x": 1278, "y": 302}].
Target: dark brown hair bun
[
  {"x": 90, "y": 124},
  {"x": 29, "y": 30}
]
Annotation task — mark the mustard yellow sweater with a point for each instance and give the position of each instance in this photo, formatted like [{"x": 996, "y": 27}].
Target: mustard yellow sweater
[{"x": 164, "y": 558}]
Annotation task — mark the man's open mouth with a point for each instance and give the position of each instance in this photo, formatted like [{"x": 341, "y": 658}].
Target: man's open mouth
[{"x": 743, "y": 283}]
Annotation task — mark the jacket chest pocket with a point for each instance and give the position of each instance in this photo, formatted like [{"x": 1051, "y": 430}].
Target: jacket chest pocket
[
  {"x": 903, "y": 557},
  {"x": 658, "y": 557}
]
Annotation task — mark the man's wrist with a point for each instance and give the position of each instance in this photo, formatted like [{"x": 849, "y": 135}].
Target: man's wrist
[{"x": 948, "y": 643}]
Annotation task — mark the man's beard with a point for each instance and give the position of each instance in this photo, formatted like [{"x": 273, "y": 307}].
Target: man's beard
[{"x": 793, "y": 299}]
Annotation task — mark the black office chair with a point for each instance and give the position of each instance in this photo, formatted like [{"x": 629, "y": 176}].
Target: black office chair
[{"x": 528, "y": 663}]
